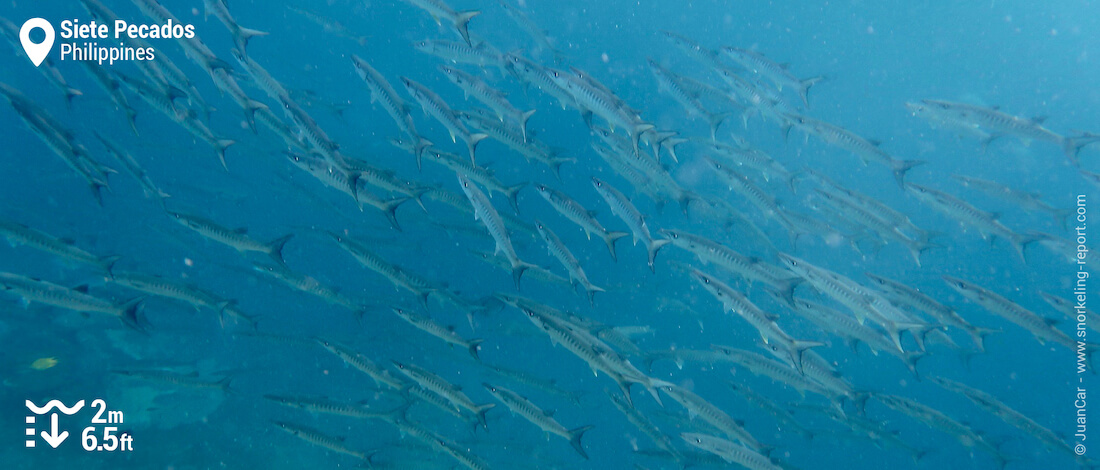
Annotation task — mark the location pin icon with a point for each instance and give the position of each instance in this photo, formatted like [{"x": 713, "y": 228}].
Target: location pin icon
[{"x": 37, "y": 52}]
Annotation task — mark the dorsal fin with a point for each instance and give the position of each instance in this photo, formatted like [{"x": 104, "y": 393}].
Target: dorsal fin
[
  {"x": 875, "y": 142},
  {"x": 241, "y": 230},
  {"x": 83, "y": 288},
  {"x": 66, "y": 240},
  {"x": 1039, "y": 119}
]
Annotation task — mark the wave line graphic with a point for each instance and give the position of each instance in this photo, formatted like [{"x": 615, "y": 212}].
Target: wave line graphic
[{"x": 55, "y": 404}]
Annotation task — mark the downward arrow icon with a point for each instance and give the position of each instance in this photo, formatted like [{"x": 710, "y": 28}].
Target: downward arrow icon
[{"x": 53, "y": 438}]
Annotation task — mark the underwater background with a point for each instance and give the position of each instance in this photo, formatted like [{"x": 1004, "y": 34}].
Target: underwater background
[{"x": 169, "y": 373}]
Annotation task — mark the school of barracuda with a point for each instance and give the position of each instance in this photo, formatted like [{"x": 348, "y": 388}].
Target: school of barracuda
[{"x": 735, "y": 257}]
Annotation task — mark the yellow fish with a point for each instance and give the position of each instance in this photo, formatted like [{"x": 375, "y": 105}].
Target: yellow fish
[{"x": 44, "y": 363}]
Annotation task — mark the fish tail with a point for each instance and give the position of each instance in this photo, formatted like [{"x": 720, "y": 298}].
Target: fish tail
[
  {"x": 714, "y": 120},
  {"x": 653, "y": 248},
  {"x": 250, "y": 113},
  {"x": 275, "y": 249},
  {"x": 671, "y": 144},
  {"x": 131, "y": 118},
  {"x": 804, "y": 88},
  {"x": 418, "y": 150},
  {"x": 480, "y": 412},
  {"x": 523, "y": 117},
  {"x": 686, "y": 199},
  {"x": 512, "y": 193},
  {"x": 901, "y": 167},
  {"x": 131, "y": 314},
  {"x": 918, "y": 247},
  {"x": 978, "y": 334},
  {"x": 462, "y": 21},
  {"x": 1020, "y": 243},
  {"x": 71, "y": 93},
  {"x": 108, "y": 264},
  {"x": 575, "y": 439},
  {"x": 591, "y": 290},
  {"x": 423, "y": 297},
  {"x": 471, "y": 144},
  {"x": 389, "y": 208},
  {"x": 97, "y": 191},
  {"x": 418, "y": 196},
  {"x": 800, "y": 348},
  {"x": 636, "y": 134},
  {"x": 224, "y": 384},
  {"x": 1072, "y": 145},
  {"x": 786, "y": 288},
  {"x": 219, "y": 148},
  {"x": 475, "y": 346},
  {"x": 518, "y": 270},
  {"x": 244, "y": 34}
]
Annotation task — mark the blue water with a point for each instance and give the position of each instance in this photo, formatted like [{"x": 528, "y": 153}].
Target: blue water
[{"x": 1027, "y": 58}]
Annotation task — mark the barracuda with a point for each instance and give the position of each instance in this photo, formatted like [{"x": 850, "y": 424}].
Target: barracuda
[
  {"x": 19, "y": 234},
  {"x": 385, "y": 95},
  {"x": 729, "y": 451},
  {"x": 46, "y": 293},
  {"x": 317, "y": 438},
  {"x": 625, "y": 210},
  {"x": 379, "y": 375},
  {"x": 347, "y": 182},
  {"x": 400, "y": 278},
  {"x": 558, "y": 250},
  {"x": 592, "y": 100},
  {"x": 986, "y": 223},
  {"x": 533, "y": 74},
  {"x": 755, "y": 62},
  {"x": 487, "y": 214},
  {"x": 647, "y": 427},
  {"x": 763, "y": 322},
  {"x": 520, "y": 405},
  {"x": 446, "y": 334},
  {"x": 133, "y": 167},
  {"x": 942, "y": 313},
  {"x": 237, "y": 239},
  {"x": 453, "y": 393},
  {"x": 481, "y": 175},
  {"x": 494, "y": 99},
  {"x": 698, "y": 407},
  {"x": 221, "y": 11},
  {"x": 865, "y": 149},
  {"x": 441, "y": 11},
  {"x": 435, "y": 107},
  {"x": 1041, "y": 327},
  {"x": 585, "y": 218},
  {"x": 113, "y": 88},
  {"x": 309, "y": 285},
  {"x": 530, "y": 149},
  {"x": 998, "y": 123},
  {"x": 750, "y": 268}
]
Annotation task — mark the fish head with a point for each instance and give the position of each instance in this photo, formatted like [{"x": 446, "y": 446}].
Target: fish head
[
  {"x": 670, "y": 234},
  {"x": 452, "y": 74}
]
